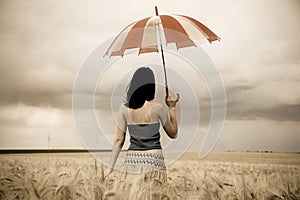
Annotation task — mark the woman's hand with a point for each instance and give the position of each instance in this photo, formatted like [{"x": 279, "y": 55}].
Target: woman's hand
[
  {"x": 171, "y": 103},
  {"x": 170, "y": 125}
]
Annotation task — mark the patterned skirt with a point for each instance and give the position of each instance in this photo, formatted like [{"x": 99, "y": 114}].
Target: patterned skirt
[{"x": 146, "y": 164}]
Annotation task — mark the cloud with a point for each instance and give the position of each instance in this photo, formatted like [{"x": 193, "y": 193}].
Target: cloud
[
  {"x": 265, "y": 85},
  {"x": 23, "y": 126},
  {"x": 271, "y": 99},
  {"x": 31, "y": 116},
  {"x": 262, "y": 135}
]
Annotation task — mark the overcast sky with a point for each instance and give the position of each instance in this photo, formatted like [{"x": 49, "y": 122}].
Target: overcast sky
[{"x": 44, "y": 43}]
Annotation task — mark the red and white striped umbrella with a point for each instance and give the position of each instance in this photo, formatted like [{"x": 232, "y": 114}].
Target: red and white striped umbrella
[{"x": 149, "y": 34}]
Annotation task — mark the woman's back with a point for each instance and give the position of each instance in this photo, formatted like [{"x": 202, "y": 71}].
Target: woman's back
[
  {"x": 143, "y": 125},
  {"x": 151, "y": 112}
]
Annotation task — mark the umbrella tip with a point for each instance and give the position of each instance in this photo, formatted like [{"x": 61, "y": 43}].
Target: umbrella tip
[{"x": 156, "y": 11}]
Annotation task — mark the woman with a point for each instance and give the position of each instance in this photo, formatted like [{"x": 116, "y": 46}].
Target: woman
[{"x": 142, "y": 116}]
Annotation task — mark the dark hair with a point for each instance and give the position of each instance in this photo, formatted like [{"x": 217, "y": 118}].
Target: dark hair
[{"x": 141, "y": 88}]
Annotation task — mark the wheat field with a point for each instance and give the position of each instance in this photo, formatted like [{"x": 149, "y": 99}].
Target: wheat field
[{"x": 70, "y": 176}]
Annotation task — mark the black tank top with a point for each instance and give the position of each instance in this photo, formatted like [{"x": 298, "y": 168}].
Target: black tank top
[{"x": 144, "y": 136}]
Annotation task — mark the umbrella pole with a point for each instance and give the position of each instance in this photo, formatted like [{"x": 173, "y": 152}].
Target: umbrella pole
[
  {"x": 163, "y": 57},
  {"x": 165, "y": 71}
]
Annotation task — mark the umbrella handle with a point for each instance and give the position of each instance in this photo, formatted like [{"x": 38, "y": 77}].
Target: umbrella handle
[{"x": 167, "y": 91}]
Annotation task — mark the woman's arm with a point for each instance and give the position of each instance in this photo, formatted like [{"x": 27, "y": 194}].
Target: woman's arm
[
  {"x": 170, "y": 125},
  {"x": 117, "y": 146},
  {"x": 120, "y": 137}
]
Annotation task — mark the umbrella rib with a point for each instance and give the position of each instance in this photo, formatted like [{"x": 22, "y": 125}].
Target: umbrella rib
[
  {"x": 117, "y": 37},
  {"x": 211, "y": 35},
  {"x": 174, "y": 32},
  {"x": 135, "y": 35}
]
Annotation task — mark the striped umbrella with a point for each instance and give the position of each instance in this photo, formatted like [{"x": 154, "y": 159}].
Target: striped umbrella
[{"x": 149, "y": 34}]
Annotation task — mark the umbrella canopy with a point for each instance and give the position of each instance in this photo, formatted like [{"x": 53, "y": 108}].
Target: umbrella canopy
[
  {"x": 149, "y": 34},
  {"x": 142, "y": 34}
]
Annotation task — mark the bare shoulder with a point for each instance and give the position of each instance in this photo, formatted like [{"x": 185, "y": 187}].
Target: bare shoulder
[
  {"x": 155, "y": 105},
  {"x": 122, "y": 107}
]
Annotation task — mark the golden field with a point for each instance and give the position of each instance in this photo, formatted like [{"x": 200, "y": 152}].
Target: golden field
[{"x": 227, "y": 175}]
